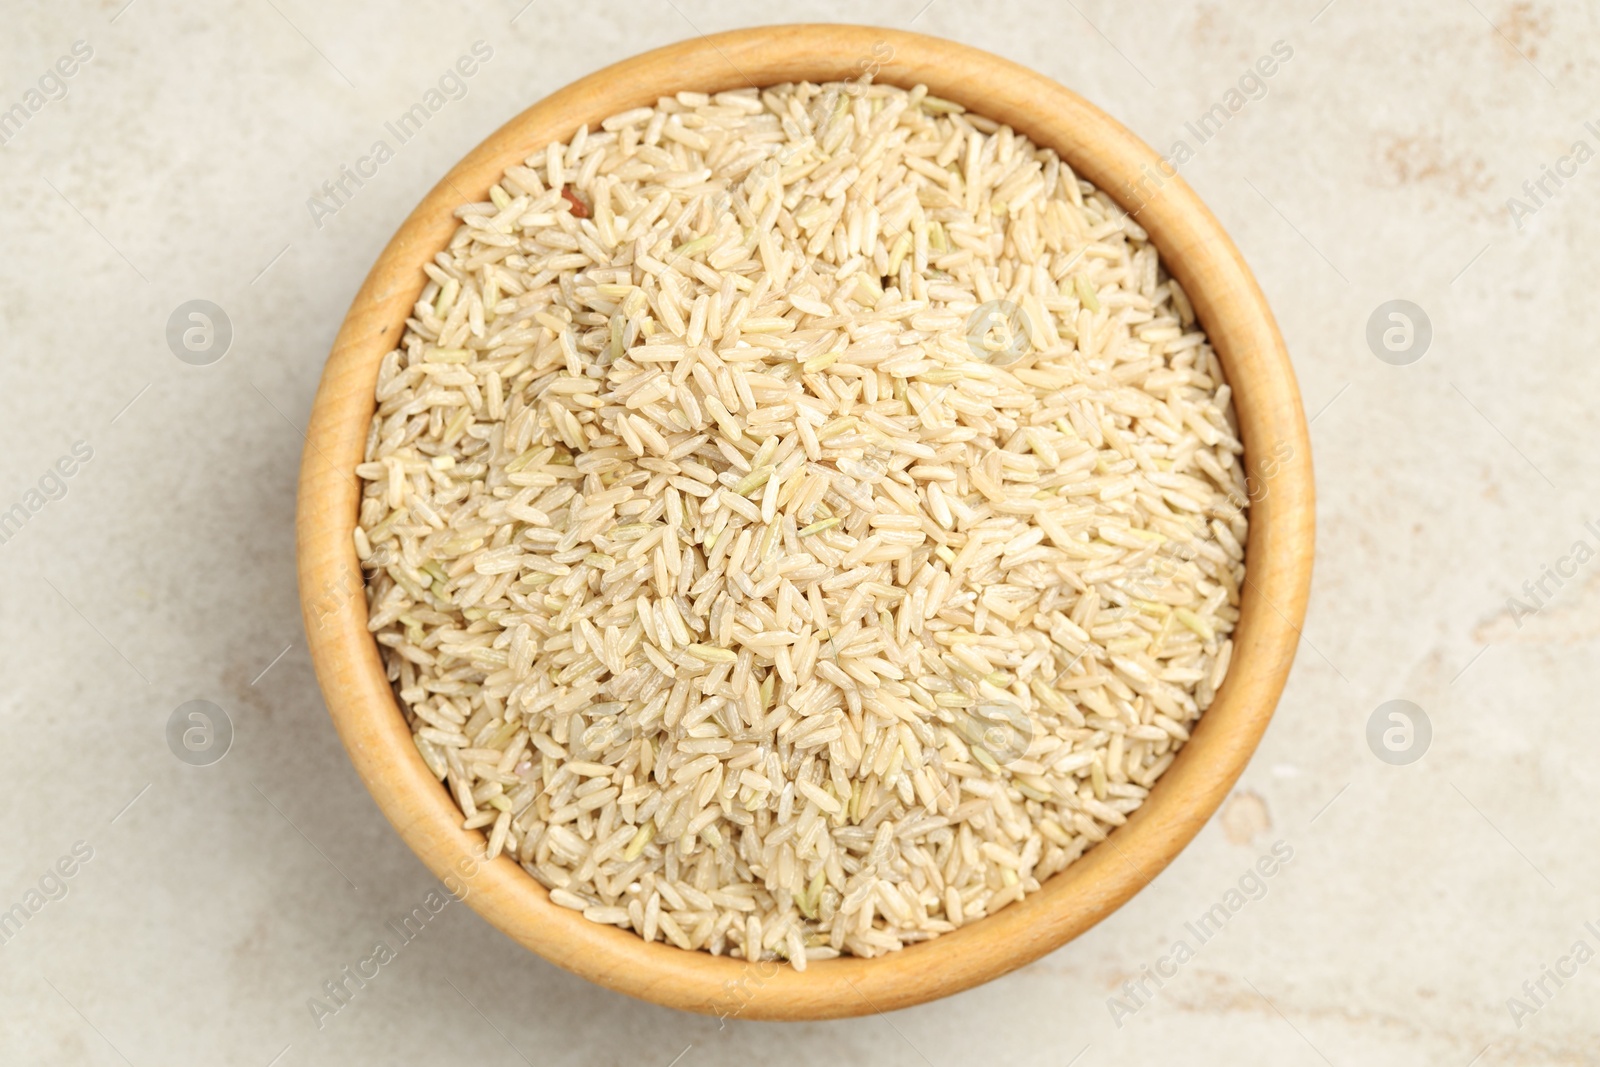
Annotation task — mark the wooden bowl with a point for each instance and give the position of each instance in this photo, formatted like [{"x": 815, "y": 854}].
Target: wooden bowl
[{"x": 1277, "y": 453}]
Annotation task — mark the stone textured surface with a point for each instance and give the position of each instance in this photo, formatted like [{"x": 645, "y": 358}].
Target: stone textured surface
[{"x": 1376, "y": 167}]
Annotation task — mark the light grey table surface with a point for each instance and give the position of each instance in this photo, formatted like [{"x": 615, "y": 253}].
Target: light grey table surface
[{"x": 1377, "y": 166}]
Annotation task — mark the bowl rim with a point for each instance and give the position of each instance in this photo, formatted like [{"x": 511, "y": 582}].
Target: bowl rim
[{"x": 1277, "y": 456}]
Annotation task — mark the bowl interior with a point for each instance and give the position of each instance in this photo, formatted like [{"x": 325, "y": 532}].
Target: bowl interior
[{"x": 1277, "y": 455}]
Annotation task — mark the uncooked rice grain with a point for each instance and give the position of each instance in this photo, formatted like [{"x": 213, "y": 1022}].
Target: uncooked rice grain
[{"x": 799, "y": 522}]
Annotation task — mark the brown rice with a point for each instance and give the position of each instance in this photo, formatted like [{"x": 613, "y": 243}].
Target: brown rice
[{"x": 800, "y": 521}]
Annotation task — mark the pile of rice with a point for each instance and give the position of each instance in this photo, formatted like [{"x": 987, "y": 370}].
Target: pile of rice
[{"x": 800, "y": 521}]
